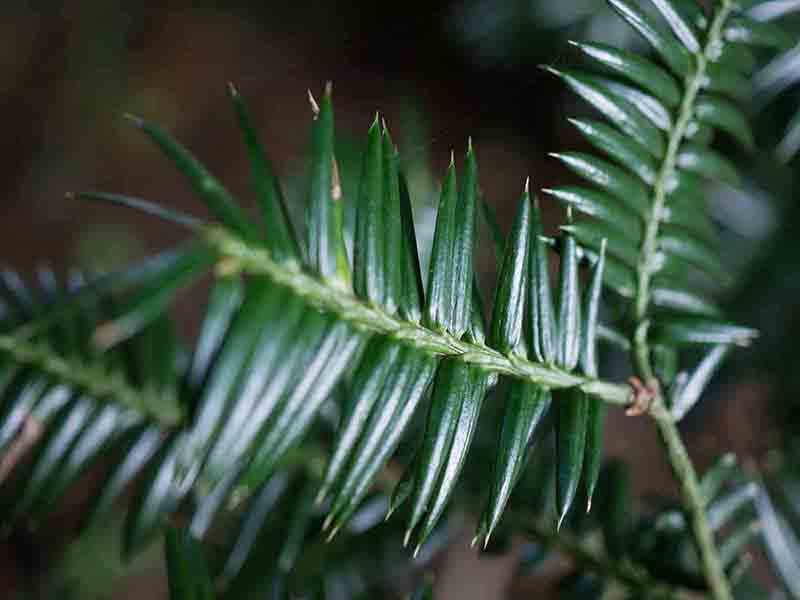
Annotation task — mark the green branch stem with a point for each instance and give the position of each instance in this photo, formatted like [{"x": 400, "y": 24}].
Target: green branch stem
[
  {"x": 695, "y": 503},
  {"x": 678, "y": 457},
  {"x": 332, "y": 298}
]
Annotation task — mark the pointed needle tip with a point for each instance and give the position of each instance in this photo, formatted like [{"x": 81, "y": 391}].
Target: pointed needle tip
[
  {"x": 313, "y": 102},
  {"x": 138, "y": 121},
  {"x": 331, "y": 535}
]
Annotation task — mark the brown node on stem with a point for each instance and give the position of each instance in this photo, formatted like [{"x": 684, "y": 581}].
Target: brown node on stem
[{"x": 643, "y": 396}]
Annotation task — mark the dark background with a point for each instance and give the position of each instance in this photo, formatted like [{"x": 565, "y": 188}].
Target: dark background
[{"x": 438, "y": 72}]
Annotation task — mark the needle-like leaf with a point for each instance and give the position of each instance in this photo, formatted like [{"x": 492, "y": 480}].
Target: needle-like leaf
[
  {"x": 216, "y": 198},
  {"x": 618, "y": 146},
  {"x": 638, "y": 70},
  {"x": 717, "y": 476},
  {"x": 630, "y": 191},
  {"x": 569, "y": 305},
  {"x": 325, "y": 244},
  {"x": 369, "y": 269},
  {"x": 509, "y": 300},
  {"x": 620, "y": 111},
  {"x": 525, "y": 407},
  {"x": 464, "y": 432},
  {"x": 572, "y": 414},
  {"x": 450, "y": 391},
  {"x": 449, "y": 280},
  {"x": 696, "y": 383},
  {"x": 676, "y": 56},
  {"x": 280, "y": 236},
  {"x": 702, "y": 331},
  {"x": 683, "y": 31},
  {"x": 544, "y": 327}
]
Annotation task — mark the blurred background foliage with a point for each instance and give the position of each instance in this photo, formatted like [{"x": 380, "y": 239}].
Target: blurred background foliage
[{"x": 439, "y": 71}]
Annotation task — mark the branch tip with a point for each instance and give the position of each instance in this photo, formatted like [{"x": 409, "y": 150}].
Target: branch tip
[{"x": 643, "y": 396}]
